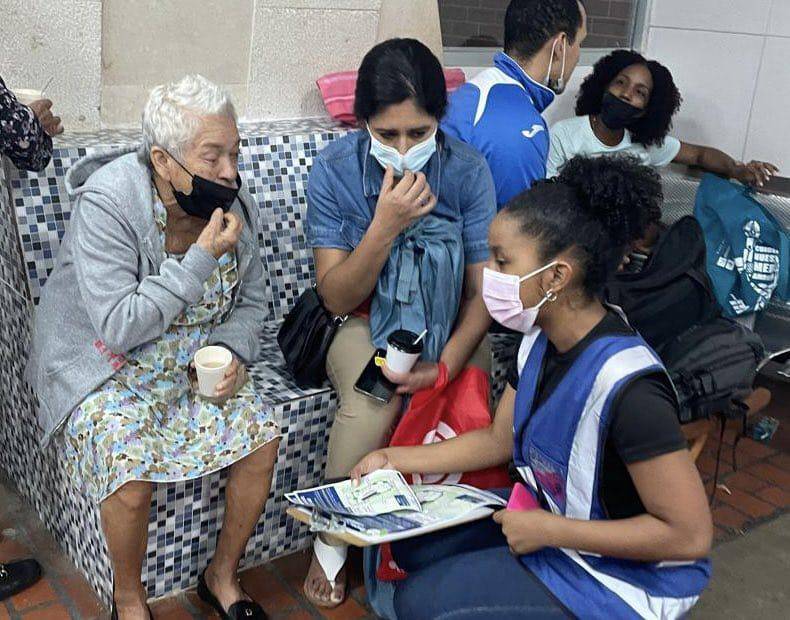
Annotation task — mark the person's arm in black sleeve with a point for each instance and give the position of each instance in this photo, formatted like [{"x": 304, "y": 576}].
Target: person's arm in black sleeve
[
  {"x": 22, "y": 137},
  {"x": 645, "y": 423}
]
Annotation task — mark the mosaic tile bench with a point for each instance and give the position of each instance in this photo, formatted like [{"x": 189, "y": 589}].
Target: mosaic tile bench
[{"x": 185, "y": 516}]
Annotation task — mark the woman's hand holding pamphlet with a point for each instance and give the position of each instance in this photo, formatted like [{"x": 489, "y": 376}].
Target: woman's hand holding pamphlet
[{"x": 383, "y": 507}]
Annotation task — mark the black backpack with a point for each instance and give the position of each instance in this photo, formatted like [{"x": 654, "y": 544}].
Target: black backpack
[
  {"x": 672, "y": 292},
  {"x": 711, "y": 366}
]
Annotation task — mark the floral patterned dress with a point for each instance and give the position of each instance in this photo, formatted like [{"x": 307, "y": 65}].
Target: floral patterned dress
[{"x": 146, "y": 422}]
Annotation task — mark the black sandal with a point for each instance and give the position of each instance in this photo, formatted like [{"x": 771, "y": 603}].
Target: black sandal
[
  {"x": 240, "y": 610},
  {"x": 18, "y": 576}
]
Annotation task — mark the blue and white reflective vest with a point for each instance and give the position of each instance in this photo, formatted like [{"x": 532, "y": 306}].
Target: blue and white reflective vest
[{"x": 559, "y": 450}]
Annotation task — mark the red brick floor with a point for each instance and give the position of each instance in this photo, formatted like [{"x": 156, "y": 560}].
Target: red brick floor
[{"x": 758, "y": 491}]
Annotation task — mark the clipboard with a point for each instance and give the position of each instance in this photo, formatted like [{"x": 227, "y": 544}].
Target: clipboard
[{"x": 303, "y": 515}]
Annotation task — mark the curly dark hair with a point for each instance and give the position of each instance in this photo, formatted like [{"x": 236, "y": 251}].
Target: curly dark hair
[
  {"x": 665, "y": 98},
  {"x": 597, "y": 207},
  {"x": 530, "y": 23}
]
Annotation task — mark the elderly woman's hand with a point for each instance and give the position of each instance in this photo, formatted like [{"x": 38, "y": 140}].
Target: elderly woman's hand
[
  {"x": 235, "y": 378},
  {"x": 221, "y": 234}
]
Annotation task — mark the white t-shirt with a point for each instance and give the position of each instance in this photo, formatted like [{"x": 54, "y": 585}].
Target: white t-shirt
[{"x": 575, "y": 136}]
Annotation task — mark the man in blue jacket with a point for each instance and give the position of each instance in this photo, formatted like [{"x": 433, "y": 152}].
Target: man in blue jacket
[{"x": 499, "y": 110}]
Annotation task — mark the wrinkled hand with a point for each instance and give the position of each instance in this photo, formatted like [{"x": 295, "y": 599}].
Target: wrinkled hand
[
  {"x": 423, "y": 375},
  {"x": 402, "y": 203},
  {"x": 221, "y": 234},
  {"x": 42, "y": 108},
  {"x": 235, "y": 378},
  {"x": 755, "y": 173},
  {"x": 525, "y": 530},
  {"x": 374, "y": 461}
]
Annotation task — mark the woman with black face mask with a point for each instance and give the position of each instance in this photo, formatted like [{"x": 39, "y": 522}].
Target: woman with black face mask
[
  {"x": 626, "y": 105},
  {"x": 160, "y": 260}
]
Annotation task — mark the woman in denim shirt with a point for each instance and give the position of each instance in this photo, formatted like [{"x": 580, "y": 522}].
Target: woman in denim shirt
[{"x": 364, "y": 191}]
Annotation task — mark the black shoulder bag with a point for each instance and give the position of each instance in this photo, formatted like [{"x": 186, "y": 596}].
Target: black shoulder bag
[{"x": 304, "y": 339}]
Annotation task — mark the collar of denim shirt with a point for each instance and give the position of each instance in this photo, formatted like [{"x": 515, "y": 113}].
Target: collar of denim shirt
[{"x": 373, "y": 173}]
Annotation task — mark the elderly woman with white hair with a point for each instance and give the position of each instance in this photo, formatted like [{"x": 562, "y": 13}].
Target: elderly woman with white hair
[{"x": 161, "y": 258}]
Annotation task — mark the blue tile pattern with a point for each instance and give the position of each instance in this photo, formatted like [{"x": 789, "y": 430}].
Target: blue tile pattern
[{"x": 186, "y": 516}]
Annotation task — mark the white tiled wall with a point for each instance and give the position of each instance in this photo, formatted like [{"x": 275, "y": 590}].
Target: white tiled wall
[
  {"x": 731, "y": 61},
  {"x": 749, "y": 16},
  {"x": 717, "y": 86},
  {"x": 769, "y": 129},
  {"x": 779, "y": 18}
]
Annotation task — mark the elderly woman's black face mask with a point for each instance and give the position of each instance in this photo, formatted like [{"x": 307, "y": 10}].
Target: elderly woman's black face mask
[{"x": 206, "y": 195}]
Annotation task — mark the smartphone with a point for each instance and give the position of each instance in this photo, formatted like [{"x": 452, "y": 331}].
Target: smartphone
[{"x": 373, "y": 383}]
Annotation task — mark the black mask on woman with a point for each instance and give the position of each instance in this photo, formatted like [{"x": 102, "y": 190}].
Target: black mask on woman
[
  {"x": 206, "y": 195},
  {"x": 616, "y": 113}
]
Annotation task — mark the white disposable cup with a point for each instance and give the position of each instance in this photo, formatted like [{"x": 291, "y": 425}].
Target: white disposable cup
[
  {"x": 26, "y": 96},
  {"x": 211, "y": 364},
  {"x": 401, "y": 359},
  {"x": 400, "y": 362}
]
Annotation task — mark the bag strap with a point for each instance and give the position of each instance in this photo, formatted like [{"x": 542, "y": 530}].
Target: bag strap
[{"x": 336, "y": 320}]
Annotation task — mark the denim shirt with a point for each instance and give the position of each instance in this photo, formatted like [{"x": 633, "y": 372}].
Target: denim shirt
[
  {"x": 345, "y": 182},
  {"x": 420, "y": 285}
]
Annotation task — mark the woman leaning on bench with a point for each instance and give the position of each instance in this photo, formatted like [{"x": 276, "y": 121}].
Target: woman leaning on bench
[{"x": 149, "y": 272}]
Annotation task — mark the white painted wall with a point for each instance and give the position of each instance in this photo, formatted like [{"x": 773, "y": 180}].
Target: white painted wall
[{"x": 731, "y": 62}]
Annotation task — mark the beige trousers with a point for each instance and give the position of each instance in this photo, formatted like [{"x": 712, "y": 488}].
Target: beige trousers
[{"x": 361, "y": 423}]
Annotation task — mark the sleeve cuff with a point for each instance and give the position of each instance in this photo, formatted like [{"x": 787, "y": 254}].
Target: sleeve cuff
[{"x": 200, "y": 264}]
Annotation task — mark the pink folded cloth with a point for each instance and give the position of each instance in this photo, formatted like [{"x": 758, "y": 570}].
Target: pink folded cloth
[
  {"x": 337, "y": 91},
  {"x": 521, "y": 498}
]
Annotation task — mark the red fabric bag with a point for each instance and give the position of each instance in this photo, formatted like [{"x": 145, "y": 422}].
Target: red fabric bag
[
  {"x": 446, "y": 410},
  {"x": 449, "y": 409},
  {"x": 337, "y": 91}
]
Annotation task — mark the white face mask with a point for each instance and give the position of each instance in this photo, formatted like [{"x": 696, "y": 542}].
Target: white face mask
[
  {"x": 414, "y": 159},
  {"x": 559, "y": 86},
  {"x": 502, "y": 297}
]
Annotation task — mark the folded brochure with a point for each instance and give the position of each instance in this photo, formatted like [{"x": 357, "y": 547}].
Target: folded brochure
[{"x": 383, "y": 507}]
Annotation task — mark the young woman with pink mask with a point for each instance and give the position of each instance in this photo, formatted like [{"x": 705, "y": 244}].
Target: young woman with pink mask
[{"x": 615, "y": 520}]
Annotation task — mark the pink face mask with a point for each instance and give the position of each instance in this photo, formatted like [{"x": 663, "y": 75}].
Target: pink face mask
[{"x": 501, "y": 294}]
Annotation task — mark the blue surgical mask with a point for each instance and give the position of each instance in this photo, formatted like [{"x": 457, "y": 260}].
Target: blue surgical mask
[{"x": 414, "y": 159}]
